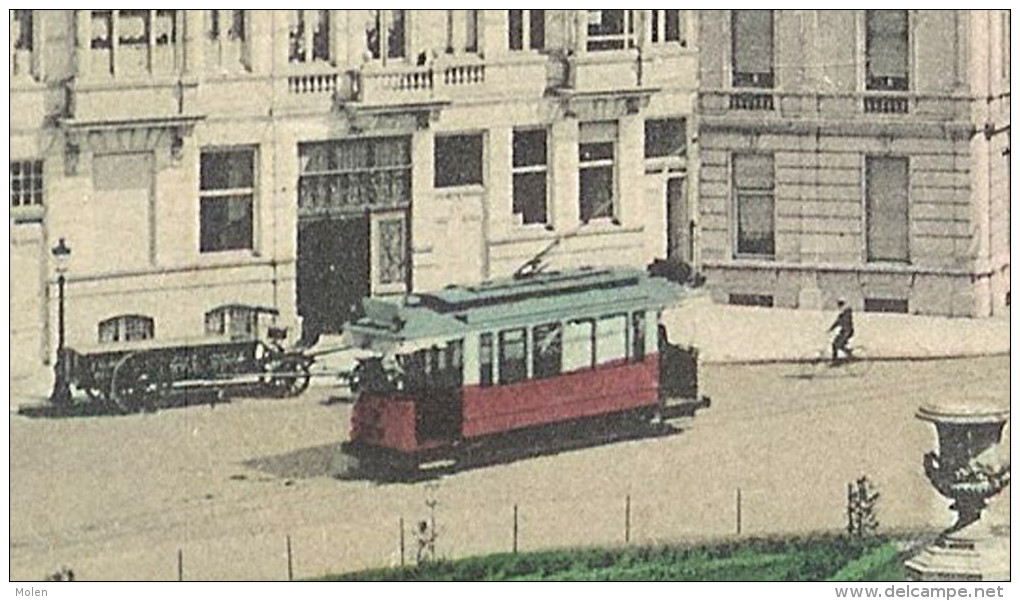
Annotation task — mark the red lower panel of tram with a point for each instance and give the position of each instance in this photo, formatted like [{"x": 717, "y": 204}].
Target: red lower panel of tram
[
  {"x": 390, "y": 421},
  {"x": 385, "y": 421},
  {"x": 609, "y": 388}
]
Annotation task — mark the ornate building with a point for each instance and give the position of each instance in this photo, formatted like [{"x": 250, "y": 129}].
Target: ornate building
[
  {"x": 197, "y": 160},
  {"x": 194, "y": 161},
  {"x": 862, "y": 154}
]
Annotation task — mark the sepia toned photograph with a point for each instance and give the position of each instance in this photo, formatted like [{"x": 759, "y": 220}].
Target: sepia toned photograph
[{"x": 511, "y": 294}]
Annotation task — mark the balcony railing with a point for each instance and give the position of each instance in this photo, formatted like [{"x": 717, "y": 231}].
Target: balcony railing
[
  {"x": 752, "y": 101},
  {"x": 312, "y": 83},
  {"x": 941, "y": 107},
  {"x": 883, "y": 103},
  {"x": 440, "y": 81}
]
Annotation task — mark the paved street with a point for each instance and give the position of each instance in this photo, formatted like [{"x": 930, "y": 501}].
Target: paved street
[{"x": 118, "y": 497}]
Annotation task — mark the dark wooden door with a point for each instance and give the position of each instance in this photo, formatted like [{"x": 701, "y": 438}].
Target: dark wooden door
[{"x": 332, "y": 272}]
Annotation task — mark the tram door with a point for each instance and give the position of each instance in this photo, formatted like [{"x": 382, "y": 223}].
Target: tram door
[
  {"x": 679, "y": 238},
  {"x": 436, "y": 377},
  {"x": 332, "y": 272}
]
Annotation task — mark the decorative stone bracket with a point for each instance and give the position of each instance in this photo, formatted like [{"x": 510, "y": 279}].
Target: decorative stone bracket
[
  {"x": 406, "y": 118},
  {"x": 124, "y": 136},
  {"x": 603, "y": 106}
]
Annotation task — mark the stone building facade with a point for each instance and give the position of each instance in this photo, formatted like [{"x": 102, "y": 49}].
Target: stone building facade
[
  {"x": 196, "y": 160},
  {"x": 860, "y": 154}
]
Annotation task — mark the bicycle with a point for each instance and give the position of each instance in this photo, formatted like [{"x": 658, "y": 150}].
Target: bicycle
[{"x": 854, "y": 364}]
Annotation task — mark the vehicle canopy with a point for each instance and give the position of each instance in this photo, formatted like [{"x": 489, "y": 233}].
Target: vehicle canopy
[{"x": 421, "y": 320}]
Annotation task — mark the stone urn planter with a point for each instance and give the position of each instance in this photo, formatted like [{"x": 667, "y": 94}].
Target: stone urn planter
[{"x": 968, "y": 469}]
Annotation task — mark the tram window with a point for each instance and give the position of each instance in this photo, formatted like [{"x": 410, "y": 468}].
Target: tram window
[
  {"x": 485, "y": 360},
  {"x": 414, "y": 366},
  {"x": 547, "y": 350},
  {"x": 578, "y": 345},
  {"x": 637, "y": 336},
  {"x": 611, "y": 338},
  {"x": 453, "y": 359},
  {"x": 513, "y": 356}
]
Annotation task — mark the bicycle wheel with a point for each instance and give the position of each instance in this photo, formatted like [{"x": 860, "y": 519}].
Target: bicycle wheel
[{"x": 858, "y": 364}]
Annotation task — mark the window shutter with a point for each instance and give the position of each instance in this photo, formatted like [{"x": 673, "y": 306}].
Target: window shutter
[
  {"x": 888, "y": 238},
  {"x": 752, "y": 41},
  {"x": 887, "y": 43}
]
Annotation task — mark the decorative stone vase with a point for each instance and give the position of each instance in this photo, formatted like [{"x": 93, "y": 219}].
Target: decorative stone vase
[{"x": 968, "y": 470}]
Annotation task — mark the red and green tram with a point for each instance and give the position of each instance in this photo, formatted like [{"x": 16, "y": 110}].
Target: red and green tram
[{"x": 519, "y": 365}]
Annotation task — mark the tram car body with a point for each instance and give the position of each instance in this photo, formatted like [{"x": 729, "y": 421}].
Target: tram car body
[{"x": 512, "y": 362}]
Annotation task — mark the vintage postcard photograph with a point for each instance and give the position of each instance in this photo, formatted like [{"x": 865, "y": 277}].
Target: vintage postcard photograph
[{"x": 682, "y": 295}]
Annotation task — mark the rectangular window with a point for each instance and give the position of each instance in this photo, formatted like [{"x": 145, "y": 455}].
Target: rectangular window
[
  {"x": 530, "y": 171},
  {"x": 458, "y": 160},
  {"x": 886, "y": 49},
  {"x": 485, "y": 359},
  {"x": 596, "y": 152},
  {"x": 26, "y": 183},
  {"x": 126, "y": 328},
  {"x": 146, "y": 41},
  {"x": 238, "y": 322},
  {"x": 665, "y": 137},
  {"x": 665, "y": 25},
  {"x": 352, "y": 174},
  {"x": 548, "y": 350},
  {"x": 611, "y": 339},
  {"x": 21, "y": 30},
  {"x": 385, "y": 34},
  {"x": 886, "y": 305},
  {"x": 610, "y": 29},
  {"x": 578, "y": 345},
  {"x": 754, "y": 189},
  {"x": 227, "y": 192},
  {"x": 308, "y": 36},
  {"x": 751, "y": 33},
  {"x": 526, "y": 29},
  {"x": 470, "y": 31},
  {"x": 225, "y": 35},
  {"x": 513, "y": 356},
  {"x": 391, "y": 250},
  {"x": 886, "y": 181},
  {"x": 637, "y": 336},
  {"x": 751, "y": 300}
]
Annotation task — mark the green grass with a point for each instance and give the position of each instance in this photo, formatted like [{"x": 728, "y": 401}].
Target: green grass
[
  {"x": 881, "y": 564},
  {"x": 793, "y": 559}
]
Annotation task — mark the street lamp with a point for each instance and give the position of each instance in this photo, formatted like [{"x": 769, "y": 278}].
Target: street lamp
[{"x": 61, "y": 394}]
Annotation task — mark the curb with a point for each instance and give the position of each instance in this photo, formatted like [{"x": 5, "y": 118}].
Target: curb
[{"x": 875, "y": 359}]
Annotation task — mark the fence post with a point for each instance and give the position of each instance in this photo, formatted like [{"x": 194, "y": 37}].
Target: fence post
[
  {"x": 290, "y": 561},
  {"x": 180, "y": 565},
  {"x": 401, "y": 541},
  {"x": 626, "y": 522},
  {"x": 515, "y": 528},
  {"x": 738, "y": 511}
]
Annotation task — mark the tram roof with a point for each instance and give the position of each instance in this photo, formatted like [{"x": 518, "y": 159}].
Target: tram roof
[{"x": 544, "y": 297}]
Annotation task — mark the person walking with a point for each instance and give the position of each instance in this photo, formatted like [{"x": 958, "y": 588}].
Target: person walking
[{"x": 845, "y": 324}]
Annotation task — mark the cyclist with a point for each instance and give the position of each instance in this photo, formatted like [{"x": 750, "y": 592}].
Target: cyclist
[{"x": 845, "y": 323}]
